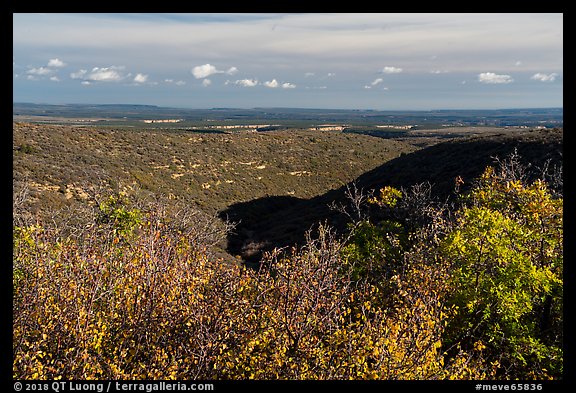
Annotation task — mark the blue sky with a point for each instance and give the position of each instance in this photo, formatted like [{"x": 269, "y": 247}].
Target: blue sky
[{"x": 310, "y": 60}]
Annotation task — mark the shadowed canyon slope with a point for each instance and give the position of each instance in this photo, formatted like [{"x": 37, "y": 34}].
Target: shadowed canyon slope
[{"x": 280, "y": 221}]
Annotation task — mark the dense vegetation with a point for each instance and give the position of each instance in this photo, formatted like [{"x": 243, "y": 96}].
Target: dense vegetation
[
  {"x": 64, "y": 165},
  {"x": 416, "y": 289}
]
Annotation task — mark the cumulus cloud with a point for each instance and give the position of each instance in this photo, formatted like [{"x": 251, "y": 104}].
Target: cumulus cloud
[
  {"x": 272, "y": 84},
  {"x": 205, "y": 70},
  {"x": 206, "y": 82},
  {"x": 544, "y": 77},
  {"x": 56, "y": 63},
  {"x": 40, "y": 71},
  {"x": 48, "y": 71},
  {"x": 246, "y": 82},
  {"x": 391, "y": 70},
  {"x": 103, "y": 74},
  {"x": 492, "y": 78},
  {"x": 141, "y": 78},
  {"x": 106, "y": 74}
]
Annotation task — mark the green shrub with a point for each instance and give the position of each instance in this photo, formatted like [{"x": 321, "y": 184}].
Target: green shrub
[
  {"x": 503, "y": 254},
  {"x": 27, "y": 149},
  {"x": 115, "y": 211},
  {"x": 506, "y": 258}
]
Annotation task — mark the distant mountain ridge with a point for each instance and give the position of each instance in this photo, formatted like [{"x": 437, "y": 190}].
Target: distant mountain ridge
[{"x": 549, "y": 117}]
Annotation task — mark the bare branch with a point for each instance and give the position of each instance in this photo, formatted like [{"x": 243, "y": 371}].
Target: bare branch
[{"x": 355, "y": 208}]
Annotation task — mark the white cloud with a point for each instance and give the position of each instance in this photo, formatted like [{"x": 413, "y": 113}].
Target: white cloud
[
  {"x": 438, "y": 71},
  {"x": 391, "y": 70},
  {"x": 246, "y": 82},
  {"x": 85, "y": 83},
  {"x": 141, "y": 78},
  {"x": 518, "y": 63},
  {"x": 492, "y": 78},
  {"x": 544, "y": 77},
  {"x": 102, "y": 74},
  {"x": 56, "y": 63},
  {"x": 205, "y": 70},
  {"x": 40, "y": 71},
  {"x": 34, "y": 74},
  {"x": 177, "y": 83},
  {"x": 206, "y": 82},
  {"x": 375, "y": 82},
  {"x": 308, "y": 74},
  {"x": 272, "y": 84},
  {"x": 106, "y": 74}
]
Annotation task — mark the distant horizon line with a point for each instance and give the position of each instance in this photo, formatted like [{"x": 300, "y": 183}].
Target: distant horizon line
[{"x": 290, "y": 107}]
